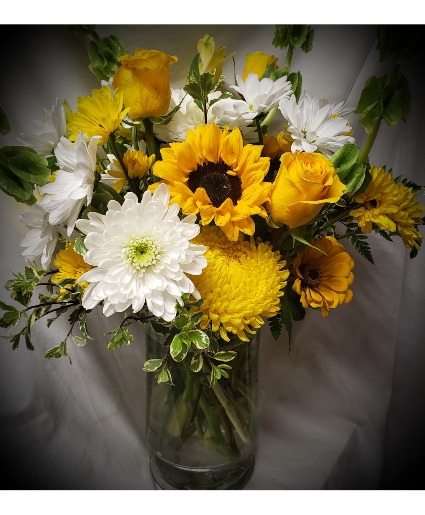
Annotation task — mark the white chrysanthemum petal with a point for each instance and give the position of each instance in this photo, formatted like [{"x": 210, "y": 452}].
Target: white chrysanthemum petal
[
  {"x": 46, "y": 133},
  {"x": 140, "y": 252},
  {"x": 314, "y": 125}
]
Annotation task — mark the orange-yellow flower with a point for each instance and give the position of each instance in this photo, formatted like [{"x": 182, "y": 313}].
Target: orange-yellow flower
[
  {"x": 70, "y": 265},
  {"x": 304, "y": 183},
  {"x": 275, "y": 146},
  {"x": 144, "y": 79},
  {"x": 323, "y": 276},
  {"x": 212, "y": 173}
]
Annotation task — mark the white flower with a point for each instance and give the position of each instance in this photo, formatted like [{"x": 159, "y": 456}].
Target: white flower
[
  {"x": 233, "y": 113},
  {"x": 74, "y": 181},
  {"x": 315, "y": 126},
  {"x": 141, "y": 252},
  {"x": 46, "y": 133},
  {"x": 262, "y": 95},
  {"x": 40, "y": 242}
]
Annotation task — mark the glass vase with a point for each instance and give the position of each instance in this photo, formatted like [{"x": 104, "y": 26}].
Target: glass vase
[{"x": 203, "y": 436}]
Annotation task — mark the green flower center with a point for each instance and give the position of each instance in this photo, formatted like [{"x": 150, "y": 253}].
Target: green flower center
[
  {"x": 218, "y": 184},
  {"x": 141, "y": 253}
]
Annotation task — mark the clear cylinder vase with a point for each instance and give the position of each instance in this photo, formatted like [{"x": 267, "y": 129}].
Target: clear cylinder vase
[{"x": 203, "y": 437}]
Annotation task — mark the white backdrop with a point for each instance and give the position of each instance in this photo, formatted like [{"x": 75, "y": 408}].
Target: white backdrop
[{"x": 343, "y": 410}]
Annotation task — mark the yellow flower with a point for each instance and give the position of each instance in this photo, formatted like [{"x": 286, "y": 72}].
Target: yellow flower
[
  {"x": 70, "y": 265},
  {"x": 98, "y": 115},
  {"x": 304, "y": 183},
  {"x": 390, "y": 206},
  {"x": 145, "y": 80},
  {"x": 242, "y": 283},
  {"x": 137, "y": 163},
  {"x": 408, "y": 216},
  {"x": 211, "y": 59},
  {"x": 275, "y": 146},
  {"x": 212, "y": 173},
  {"x": 257, "y": 63},
  {"x": 322, "y": 280}
]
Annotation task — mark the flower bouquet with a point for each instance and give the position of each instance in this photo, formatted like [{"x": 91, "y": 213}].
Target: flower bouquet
[{"x": 203, "y": 213}]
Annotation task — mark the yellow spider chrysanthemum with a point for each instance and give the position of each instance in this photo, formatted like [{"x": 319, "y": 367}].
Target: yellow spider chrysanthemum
[
  {"x": 212, "y": 173},
  {"x": 408, "y": 216},
  {"x": 242, "y": 283},
  {"x": 379, "y": 202},
  {"x": 391, "y": 206},
  {"x": 323, "y": 280},
  {"x": 70, "y": 265},
  {"x": 98, "y": 115}
]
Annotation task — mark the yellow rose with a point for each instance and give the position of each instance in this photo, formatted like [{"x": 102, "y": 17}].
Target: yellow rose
[
  {"x": 305, "y": 181},
  {"x": 145, "y": 80},
  {"x": 257, "y": 63},
  {"x": 275, "y": 146}
]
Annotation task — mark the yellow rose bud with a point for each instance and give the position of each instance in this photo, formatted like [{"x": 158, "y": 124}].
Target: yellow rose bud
[
  {"x": 144, "y": 79},
  {"x": 305, "y": 181},
  {"x": 257, "y": 63},
  {"x": 137, "y": 163}
]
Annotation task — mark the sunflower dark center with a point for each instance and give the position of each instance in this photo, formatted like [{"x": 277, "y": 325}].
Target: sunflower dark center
[
  {"x": 311, "y": 275},
  {"x": 372, "y": 203},
  {"x": 218, "y": 184}
]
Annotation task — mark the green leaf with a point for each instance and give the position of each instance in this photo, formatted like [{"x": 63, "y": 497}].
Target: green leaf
[
  {"x": 228, "y": 355},
  {"x": 151, "y": 365},
  {"x": 355, "y": 178},
  {"x": 178, "y": 348},
  {"x": 6, "y": 307},
  {"x": 181, "y": 320},
  {"x": 79, "y": 246},
  {"x": 196, "y": 362},
  {"x": 164, "y": 376},
  {"x": 344, "y": 159},
  {"x": 297, "y": 234},
  {"x": 159, "y": 328},
  {"x": 4, "y": 122},
  {"x": 20, "y": 169},
  {"x": 58, "y": 351},
  {"x": 362, "y": 246},
  {"x": 298, "y": 35},
  {"x": 21, "y": 289},
  {"x": 307, "y": 46},
  {"x": 104, "y": 55},
  {"x": 296, "y": 80},
  {"x": 78, "y": 340},
  {"x": 122, "y": 337},
  {"x": 10, "y": 318},
  {"x": 397, "y": 42},
  {"x": 198, "y": 338}
]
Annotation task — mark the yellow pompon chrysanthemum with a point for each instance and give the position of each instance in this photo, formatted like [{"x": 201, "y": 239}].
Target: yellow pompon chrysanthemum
[
  {"x": 323, "y": 280},
  {"x": 98, "y": 115},
  {"x": 391, "y": 206},
  {"x": 212, "y": 173},
  {"x": 242, "y": 283},
  {"x": 70, "y": 265}
]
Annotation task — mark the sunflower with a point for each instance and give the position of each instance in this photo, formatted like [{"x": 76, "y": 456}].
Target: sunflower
[
  {"x": 242, "y": 283},
  {"x": 70, "y": 265},
  {"x": 323, "y": 275},
  {"x": 212, "y": 173},
  {"x": 98, "y": 115}
]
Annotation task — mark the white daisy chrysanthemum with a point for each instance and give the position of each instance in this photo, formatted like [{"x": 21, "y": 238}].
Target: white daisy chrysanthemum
[
  {"x": 74, "y": 181},
  {"x": 40, "y": 241},
  {"x": 315, "y": 126},
  {"x": 222, "y": 112},
  {"x": 261, "y": 95},
  {"x": 141, "y": 252},
  {"x": 46, "y": 133}
]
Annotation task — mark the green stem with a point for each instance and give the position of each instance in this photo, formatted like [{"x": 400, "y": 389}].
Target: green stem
[
  {"x": 338, "y": 217},
  {"x": 151, "y": 145},
  {"x": 269, "y": 117},
  {"x": 363, "y": 154},
  {"x": 288, "y": 59},
  {"x": 348, "y": 234},
  {"x": 231, "y": 413},
  {"x": 260, "y": 132},
  {"x": 134, "y": 140},
  {"x": 214, "y": 426}
]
